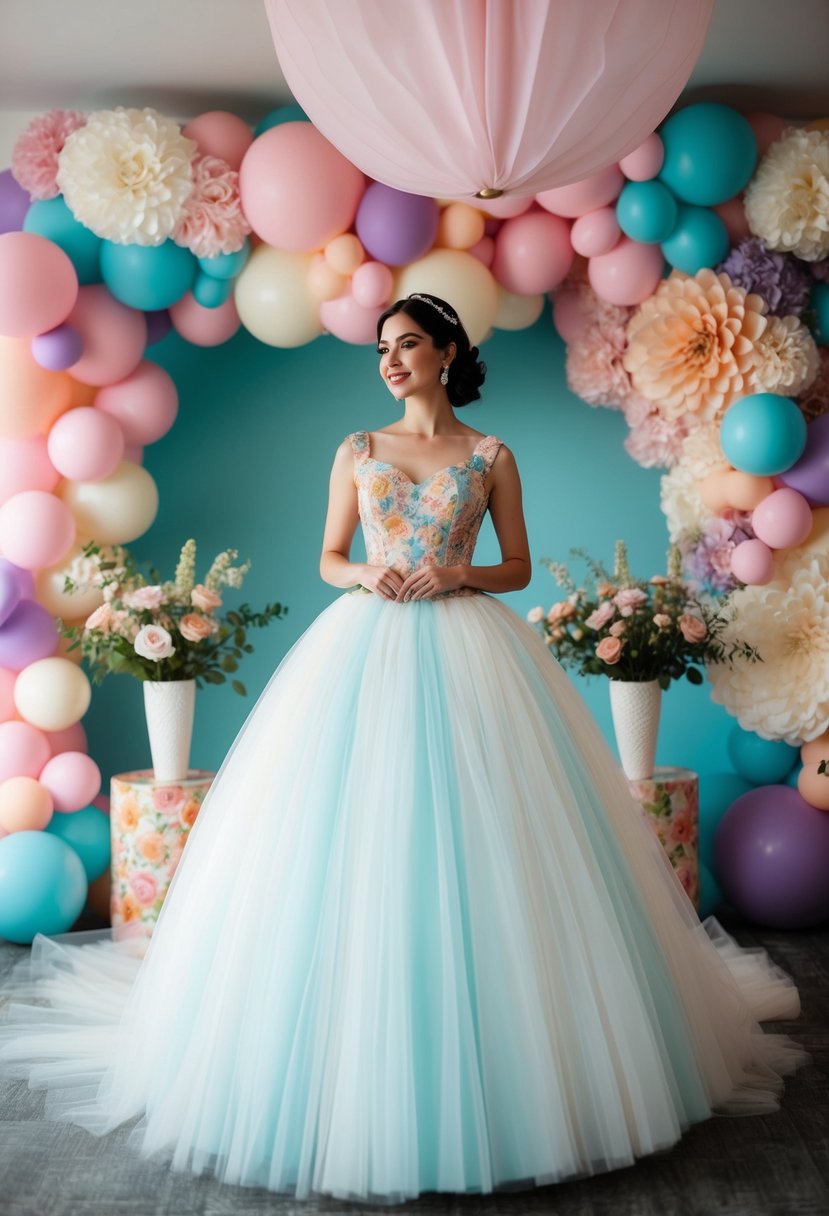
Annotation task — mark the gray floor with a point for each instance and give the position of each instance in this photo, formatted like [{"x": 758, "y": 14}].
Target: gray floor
[{"x": 759, "y": 1166}]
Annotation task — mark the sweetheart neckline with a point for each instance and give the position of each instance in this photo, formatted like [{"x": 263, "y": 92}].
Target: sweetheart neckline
[{"x": 416, "y": 484}]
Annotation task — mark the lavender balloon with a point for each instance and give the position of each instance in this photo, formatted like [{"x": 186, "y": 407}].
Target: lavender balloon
[
  {"x": 58, "y": 348},
  {"x": 14, "y": 203},
  {"x": 771, "y": 853},
  {"x": 29, "y": 634},
  {"x": 810, "y": 475},
  {"x": 9, "y": 592},
  {"x": 23, "y": 579},
  {"x": 394, "y": 227}
]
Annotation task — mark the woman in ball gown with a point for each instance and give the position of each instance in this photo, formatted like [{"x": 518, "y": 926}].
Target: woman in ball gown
[{"x": 421, "y": 937}]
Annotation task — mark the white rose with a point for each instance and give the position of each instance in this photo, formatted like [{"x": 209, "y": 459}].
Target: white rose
[
  {"x": 153, "y": 642},
  {"x": 535, "y": 615}
]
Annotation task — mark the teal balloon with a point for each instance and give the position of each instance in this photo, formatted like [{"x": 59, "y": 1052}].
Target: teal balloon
[
  {"x": 760, "y": 761},
  {"x": 226, "y": 265},
  {"x": 699, "y": 238},
  {"x": 710, "y": 153},
  {"x": 210, "y": 292},
  {"x": 87, "y": 832},
  {"x": 149, "y": 277},
  {"x": 819, "y": 308},
  {"x": 647, "y": 211},
  {"x": 291, "y": 113},
  {"x": 43, "y": 886},
  {"x": 53, "y": 219},
  {"x": 710, "y": 892},
  {"x": 716, "y": 793},
  {"x": 763, "y": 434},
  {"x": 793, "y": 776}
]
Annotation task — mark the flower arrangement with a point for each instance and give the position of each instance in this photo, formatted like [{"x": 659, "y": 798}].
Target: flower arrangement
[
  {"x": 629, "y": 629},
  {"x": 163, "y": 631}
]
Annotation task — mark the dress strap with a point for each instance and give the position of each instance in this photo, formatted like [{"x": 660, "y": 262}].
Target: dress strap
[
  {"x": 360, "y": 447},
  {"x": 488, "y": 450}
]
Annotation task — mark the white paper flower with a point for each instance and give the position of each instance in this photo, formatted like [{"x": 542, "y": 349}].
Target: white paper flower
[
  {"x": 786, "y": 696},
  {"x": 681, "y": 504},
  {"x": 701, "y": 450},
  {"x": 787, "y": 200},
  {"x": 127, "y": 174},
  {"x": 787, "y": 357}
]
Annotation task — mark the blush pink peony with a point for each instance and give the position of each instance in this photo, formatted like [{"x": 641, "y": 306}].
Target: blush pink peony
[{"x": 34, "y": 163}]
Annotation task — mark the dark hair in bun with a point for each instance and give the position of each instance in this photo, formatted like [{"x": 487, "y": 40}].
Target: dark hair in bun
[{"x": 443, "y": 325}]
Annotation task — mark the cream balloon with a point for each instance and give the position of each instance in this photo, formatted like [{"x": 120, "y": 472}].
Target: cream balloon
[
  {"x": 461, "y": 280},
  {"x": 517, "y": 312},
  {"x": 49, "y": 590},
  {"x": 115, "y": 510},
  {"x": 52, "y": 694},
  {"x": 274, "y": 299}
]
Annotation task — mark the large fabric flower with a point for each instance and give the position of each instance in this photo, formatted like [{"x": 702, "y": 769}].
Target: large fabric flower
[
  {"x": 786, "y": 696},
  {"x": 787, "y": 358},
  {"x": 594, "y": 366},
  {"x": 34, "y": 162},
  {"x": 127, "y": 174},
  {"x": 212, "y": 221},
  {"x": 782, "y": 281},
  {"x": 787, "y": 200},
  {"x": 655, "y": 442},
  {"x": 691, "y": 344}
]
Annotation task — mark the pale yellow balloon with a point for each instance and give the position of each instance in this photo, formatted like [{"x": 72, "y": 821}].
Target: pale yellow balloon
[
  {"x": 458, "y": 278},
  {"x": 25, "y": 805},
  {"x": 517, "y": 312},
  {"x": 52, "y": 694},
  {"x": 49, "y": 590},
  {"x": 274, "y": 299},
  {"x": 115, "y": 510}
]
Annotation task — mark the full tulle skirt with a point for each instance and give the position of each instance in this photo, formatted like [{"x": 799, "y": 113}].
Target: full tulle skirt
[{"x": 421, "y": 938}]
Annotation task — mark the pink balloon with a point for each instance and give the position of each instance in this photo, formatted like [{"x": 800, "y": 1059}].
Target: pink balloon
[
  {"x": 532, "y": 253},
  {"x": 372, "y": 284},
  {"x": 569, "y": 316},
  {"x": 298, "y": 191},
  {"x": 506, "y": 207},
  {"x": 36, "y": 529},
  {"x": 134, "y": 452},
  {"x": 38, "y": 284},
  {"x": 144, "y": 404},
  {"x": 73, "y": 779},
  {"x": 783, "y": 520},
  {"x": 752, "y": 562},
  {"x": 114, "y": 336},
  {"x": 644, "y": 162},
  {"x": 767, "y": 129},
  {"x": 733, "y": 215},
  {"x": 350, "y": 321},
  {"x": 25, "y": 465},
  {"x": 23, "y": 750},
  {"x": 86, "y": 444},
  {"x": 587, "y": 195},
  {"x": 596, "y": 232},
  {"x": 102, "y": 803},
  {"x": 70, "y": 739},
  {"x": 628, "y": 274},
  {"x": 220, "y": 133},
  {"x": 8, "y": 709},
  {"x": 484, "y": 250},
  {"x": 204, "y": 326}
]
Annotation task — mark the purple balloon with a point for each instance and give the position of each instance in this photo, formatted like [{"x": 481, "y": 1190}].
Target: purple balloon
[
  {"x": 771, "y": 853},
  {"x": 29, "y": 634},
  {"x": 394, "y": 227},
  {"x": 9, "y": 593},
  {"x": 158, "y": 325},
  {"x": 810, "y": 474},
  {"x": 14, "y": 203},
  {"x": 58, "y": 348},
  {"x": 25, "y": 578}
]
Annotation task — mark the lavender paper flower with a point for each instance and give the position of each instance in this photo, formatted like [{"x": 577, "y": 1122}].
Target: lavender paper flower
[
  {"x": 706, "y": 555},
  {"x": 780, "y": 278}
]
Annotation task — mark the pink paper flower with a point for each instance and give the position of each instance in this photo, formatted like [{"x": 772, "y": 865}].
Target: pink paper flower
[
  {"x": 196, "y": 628},
  {"x": 212, "y": 221},
  {"x": 654, "y": 441},
  {"x": 34, "y": 162},
  {"x": 202, "y": 597},
  {"x": 609, "y": 650}
]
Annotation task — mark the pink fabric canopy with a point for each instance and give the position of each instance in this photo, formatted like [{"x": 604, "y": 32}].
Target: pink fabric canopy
[{"x": 451, "y": 97}]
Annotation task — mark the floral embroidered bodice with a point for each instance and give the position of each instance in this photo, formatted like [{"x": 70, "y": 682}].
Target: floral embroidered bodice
[{"x": 435, "y": 522}]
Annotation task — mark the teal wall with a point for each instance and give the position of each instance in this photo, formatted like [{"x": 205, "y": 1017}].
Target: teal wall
[{"x": 247, "y": 465}]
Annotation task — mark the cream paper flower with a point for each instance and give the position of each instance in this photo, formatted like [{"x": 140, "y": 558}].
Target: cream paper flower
[
  {"x": 787, "y": 200},
  {"x": 126, "y": 175},
  {"x": 786, "y": 696},
  {"x": 787, "y": 357},
  {"x": 702, "y": 450},
  {"x": 681, "y": 504}
]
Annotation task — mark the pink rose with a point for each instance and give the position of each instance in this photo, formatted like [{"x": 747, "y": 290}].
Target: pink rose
[
  {"x": 169, "y": 799},
  {"x": 630, "y": 597},
  {"x": 202, "y": 597},
  {"x": 196, "y": 628},
  {"x": 153, "y": 642},
  {"x": 144, "y": 598},
  {"x": 144, "y": 887},
  {"x": 598, "y": 619},
  {"x": 693, "y": 629},
  {"x": 101, "y": 619},
  {"x": 662, "y": 620},
  {"x": 609, "y": 650},
  {"x": 617, "y": 628}
]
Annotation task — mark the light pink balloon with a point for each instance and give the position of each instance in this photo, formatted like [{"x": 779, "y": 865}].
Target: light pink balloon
[
  {"x": 86, "y": 444},
  {"x": 767, "y": 128},
  {"x": 532, "y": 253},
  {"x": 484, "y": 250},
  {"x": 38, "y": 285},
  {"x": 298, "y": 192},
  {"x": 36, "y": 529},
  {"x": 73, "y": 779},
  {"x": 134, "y": 452},
  {"x": 752, "y": 561},
  {"x": 372, "y": 284},
  {"x": 783, "y": 520},
  {"x": 8, "y": 709},
  {"x": 569, "y": 316},
  {"x": 628, "y": 274},
  {"x": 220, "y": 133},
  {"x": 596, "y": 232},
  {"x": 25, "y": 465},
  {"x": 644, "y": 162},
  {"x": 350, "y": 321},
  {"x": 587, "y": 195},
  {"x": 144, "y": 404},
  {"x": 114, "y": 336},
  {"x": 733, "y": 215},
  {"x": 70, "y": 739},
  {"x": 204, "y": 326},
  {"x": 23, "y": 750},
  {"x": 506, "y": 207}
]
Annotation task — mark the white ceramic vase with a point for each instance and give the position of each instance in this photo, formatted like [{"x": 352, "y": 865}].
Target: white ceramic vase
[
  {"x": 169, "y": 706},
  {"x": 635, "y": 708}
]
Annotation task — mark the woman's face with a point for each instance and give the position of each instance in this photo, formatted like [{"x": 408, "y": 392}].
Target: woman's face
[{"x": 409, "y": 361}]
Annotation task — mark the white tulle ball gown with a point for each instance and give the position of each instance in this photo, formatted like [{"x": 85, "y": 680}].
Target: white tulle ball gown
[{"x": 421, "y": 937}]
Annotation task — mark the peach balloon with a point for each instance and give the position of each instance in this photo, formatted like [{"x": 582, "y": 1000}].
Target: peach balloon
[
  {"x": 644, "y": 162},
  {"x": 596, "y": 232},
  {"x": 454, "y": 275},
  {"x": 783, "y": 520},
  {"x": 38, "y": 284},
  {"x": 86, "y": 444},
  {"x": 274, "y": 299},
  {"x": 220, "y": 133},
  {"x": 30, "y": 396},
  {"x": 517, "y": 312},
  {"x": 580, "y": 197},
  {"x": 745, "y": 491},
  {"x": 204, "y": 326},
  {"x": 68, "y": 605},
  {"x": 460, "y": 226},
  {"x": 23, "y": 748},
  {"x": 25, "y": 805},
  {"x": 144, "y": 404},
  {"x": 114, "y": 336},
  {"x": 345, "y": 253},
  {"x": 73, "y": 779},
  {"x": 71, "y": 739},
  {"x": 816, "y": 749},
  {"x": 51, "y": 694},
  {"x": 752, "y": 562},
  {"x": 813, "y": 787},
  {"x": 81, "y": 394},
  {"x": 483, "y": 250},
  {"x": 712, "y": 490},
  {"x": 36, "y": 529},
  {"x": 8, "y": 709},
  {"x": 532, "y": 253},
  {"x": 25, "y": 465},
  {"x": 115, "y": 510},
  {"x": 324, "y": 282},
  {"x": 372, "y": 284}
]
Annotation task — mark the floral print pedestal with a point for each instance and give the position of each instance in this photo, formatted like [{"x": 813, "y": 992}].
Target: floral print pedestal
[
  {"x": 670, "y": 800},
  {"x": 149, "y": 821}
]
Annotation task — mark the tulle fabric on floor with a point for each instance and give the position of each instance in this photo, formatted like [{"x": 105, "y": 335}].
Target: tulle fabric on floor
[{"x": 421, "y": 938}]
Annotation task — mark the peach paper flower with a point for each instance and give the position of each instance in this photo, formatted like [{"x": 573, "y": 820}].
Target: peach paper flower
[
  {"x": 196, "y": 628},
  {"x": 34, "y": 162},
  {"x": 212, "y": 221},
  {"x": 609, "y": 650}
]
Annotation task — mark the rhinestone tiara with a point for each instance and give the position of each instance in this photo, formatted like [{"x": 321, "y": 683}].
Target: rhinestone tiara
[{"x": 427, "y": 300}]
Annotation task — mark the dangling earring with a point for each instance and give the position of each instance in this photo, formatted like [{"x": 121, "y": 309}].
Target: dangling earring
[{"x": 444, "y": 375}]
